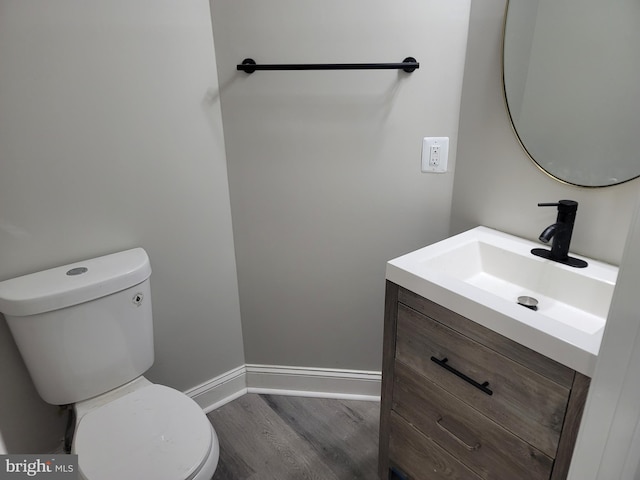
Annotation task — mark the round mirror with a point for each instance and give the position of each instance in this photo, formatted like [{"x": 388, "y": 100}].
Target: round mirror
[{"x": 571, "y": 71}]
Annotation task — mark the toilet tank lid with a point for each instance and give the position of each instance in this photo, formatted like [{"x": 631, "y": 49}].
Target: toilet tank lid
[{"x": 73, "y": 284}]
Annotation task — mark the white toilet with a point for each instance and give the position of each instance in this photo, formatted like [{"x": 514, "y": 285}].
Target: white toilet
[{"x": 85, "y": 332}]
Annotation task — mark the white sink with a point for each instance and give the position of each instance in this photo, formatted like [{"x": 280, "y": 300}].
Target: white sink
[{"x": 482, "y": 272}]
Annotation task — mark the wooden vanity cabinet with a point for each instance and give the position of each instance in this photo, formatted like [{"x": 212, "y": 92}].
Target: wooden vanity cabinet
[{"x": 460, "y": 401}]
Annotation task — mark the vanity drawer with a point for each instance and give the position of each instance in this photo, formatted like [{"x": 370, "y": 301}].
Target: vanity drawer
[
  {"x": 491, "y": 451},
  {"x": 420, "y": 458},
  {"x": 527, "y": 404},
  {"x": 531, "y": 359}
]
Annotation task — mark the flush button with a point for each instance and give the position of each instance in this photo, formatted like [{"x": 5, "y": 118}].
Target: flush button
[
  {"x": 137, "y": 299},
  {"x": 77, "y": 271}
]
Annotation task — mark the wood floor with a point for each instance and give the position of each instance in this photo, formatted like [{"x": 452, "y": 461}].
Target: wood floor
[{"x": 273, "y": 437}]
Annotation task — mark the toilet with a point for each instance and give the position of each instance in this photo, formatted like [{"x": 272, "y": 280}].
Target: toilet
[{"x": 85, "y": 332}]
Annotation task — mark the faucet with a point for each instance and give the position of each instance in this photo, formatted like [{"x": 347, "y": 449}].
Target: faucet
[{"x": 560, "y": 232}]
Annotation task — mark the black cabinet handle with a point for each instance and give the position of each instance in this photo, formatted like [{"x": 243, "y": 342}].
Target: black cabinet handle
[{"x": 479, "y": 386}]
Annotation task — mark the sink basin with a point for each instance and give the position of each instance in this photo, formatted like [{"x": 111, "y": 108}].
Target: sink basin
[{"x": 481, "y": 274}]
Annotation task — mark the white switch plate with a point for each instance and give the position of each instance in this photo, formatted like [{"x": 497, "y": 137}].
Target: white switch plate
[{"x": 435, "y": 153}]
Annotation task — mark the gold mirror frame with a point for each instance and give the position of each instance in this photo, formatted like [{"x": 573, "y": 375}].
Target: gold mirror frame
[{"x": 517, "y": 134}]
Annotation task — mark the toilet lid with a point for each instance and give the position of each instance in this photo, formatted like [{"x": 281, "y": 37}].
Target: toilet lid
[{"x": 152, "y": 433}]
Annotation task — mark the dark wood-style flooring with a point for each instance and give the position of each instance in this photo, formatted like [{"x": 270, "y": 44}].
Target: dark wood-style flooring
[{"x": 274, "y": 437}]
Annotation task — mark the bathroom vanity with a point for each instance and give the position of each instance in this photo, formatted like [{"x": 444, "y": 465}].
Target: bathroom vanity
[{"x": 466, "y": 393}]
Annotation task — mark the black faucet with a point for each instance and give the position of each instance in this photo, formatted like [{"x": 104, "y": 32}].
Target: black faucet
[{"x": 560, "y": 232}]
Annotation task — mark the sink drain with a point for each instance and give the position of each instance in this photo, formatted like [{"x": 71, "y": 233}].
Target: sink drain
[{"x": 528, "y": 302}]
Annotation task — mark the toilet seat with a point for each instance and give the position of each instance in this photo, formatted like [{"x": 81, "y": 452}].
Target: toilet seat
[{"x": 154, "y": 432}]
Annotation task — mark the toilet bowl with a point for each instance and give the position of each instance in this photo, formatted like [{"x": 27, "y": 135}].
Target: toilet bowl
[
  {"x": 161, "y": 426},
  {"x": 85, "y": 332}
]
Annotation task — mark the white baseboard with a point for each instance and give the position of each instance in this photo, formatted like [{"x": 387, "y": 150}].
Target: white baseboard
[
  {"x": 287, "y": 380},
  {"x": 220, "y": 390},
  {"x": 313, "y": 382}
]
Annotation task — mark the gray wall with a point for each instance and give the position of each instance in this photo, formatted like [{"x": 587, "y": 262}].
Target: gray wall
[
  {"x": 496, "y": 184},
  {"x": 324, "y": 167},
  {"x": 110, "y": 138}
]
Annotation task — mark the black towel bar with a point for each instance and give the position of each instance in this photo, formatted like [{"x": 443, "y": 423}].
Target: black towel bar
[{"x": 409, "y": 64}]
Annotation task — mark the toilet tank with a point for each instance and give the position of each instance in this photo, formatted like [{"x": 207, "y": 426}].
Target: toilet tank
[{"x": 84, "y": 328}]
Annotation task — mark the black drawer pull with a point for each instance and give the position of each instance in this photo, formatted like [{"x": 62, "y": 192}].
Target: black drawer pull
[{"x": 480, "y": 386}]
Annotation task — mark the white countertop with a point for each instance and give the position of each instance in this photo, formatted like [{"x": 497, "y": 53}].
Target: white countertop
[{"x": 574, "y": 340}]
